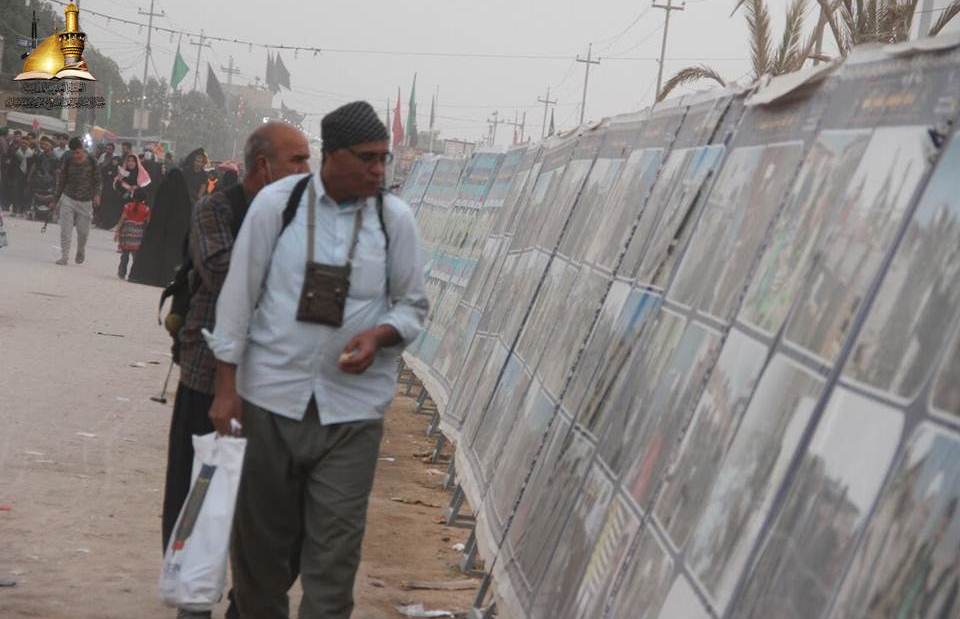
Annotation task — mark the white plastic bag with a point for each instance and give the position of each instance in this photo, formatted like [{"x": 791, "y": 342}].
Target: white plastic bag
[{"x": 195, "y": 564}]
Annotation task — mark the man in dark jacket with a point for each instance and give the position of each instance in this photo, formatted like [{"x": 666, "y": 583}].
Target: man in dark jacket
[
  {"x": 43, "y": 174},
  {"x": 272, "y": 152},
  {"x": 78, "y": 193}
]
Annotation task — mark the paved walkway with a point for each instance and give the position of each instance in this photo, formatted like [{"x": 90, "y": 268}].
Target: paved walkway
[{"x": 83, "y": 449}]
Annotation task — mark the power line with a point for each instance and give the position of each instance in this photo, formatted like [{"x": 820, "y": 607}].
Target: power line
[
  {"x": 609, "y": 41},
  {"x": 685, "y": 58},
  {"x": 344, "y": 50},
  {"x": 646, "y": 37},
  {"x": 318, "y": 50}
]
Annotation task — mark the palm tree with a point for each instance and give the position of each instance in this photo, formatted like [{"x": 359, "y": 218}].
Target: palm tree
[
  {"x": 854, "y": 22},
  {"x": 789, "y": 56},
  {"x": 948, "y": 13},
  {"x": 851, "y": 22}
]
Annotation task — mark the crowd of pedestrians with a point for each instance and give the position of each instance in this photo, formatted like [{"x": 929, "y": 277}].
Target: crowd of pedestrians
[
  {"x": 79, "y": 185},
  {"x": 301, "y": 290}
]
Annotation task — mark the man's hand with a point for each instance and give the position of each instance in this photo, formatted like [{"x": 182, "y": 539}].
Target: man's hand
[
  {"x": 223, "y": 409},
  {"x": 226, "y": 402},
  {"x": 96, "y": 201},
  {"x": 359, "y": 353}
]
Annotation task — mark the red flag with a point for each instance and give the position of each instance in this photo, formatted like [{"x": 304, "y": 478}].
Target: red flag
[
  {"x": 397, "y": 124},
  {"x": 35, "y": 124}
]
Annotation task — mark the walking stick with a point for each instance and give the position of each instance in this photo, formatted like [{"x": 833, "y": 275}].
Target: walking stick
[{"x": 163, "y": 394}]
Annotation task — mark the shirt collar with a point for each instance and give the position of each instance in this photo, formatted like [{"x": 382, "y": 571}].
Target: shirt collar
[{"x": 326, "y": 201}]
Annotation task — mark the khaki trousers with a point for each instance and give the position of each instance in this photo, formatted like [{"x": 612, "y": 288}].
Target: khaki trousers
[
  {"x": 302, "y": 501},
  {"x": 74, "y": 213}
]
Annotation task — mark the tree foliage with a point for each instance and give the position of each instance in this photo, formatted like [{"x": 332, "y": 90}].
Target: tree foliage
[
  {"x": 851, "y": 23},
  {"x": 198, "y": 121},
  {"x": 688, "y": 75},
  {"x": 855, "y": 22},
  {"x": 189, "y": 120}
]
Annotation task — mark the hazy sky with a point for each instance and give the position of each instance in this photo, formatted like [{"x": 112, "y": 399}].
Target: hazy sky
[{"x": 626, "y": 35}]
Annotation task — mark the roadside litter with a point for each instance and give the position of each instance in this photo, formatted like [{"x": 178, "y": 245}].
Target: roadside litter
[{"x": 417, "y": 610}]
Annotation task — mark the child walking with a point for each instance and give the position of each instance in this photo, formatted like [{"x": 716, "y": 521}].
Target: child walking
[{"x": 129, "y": 230}]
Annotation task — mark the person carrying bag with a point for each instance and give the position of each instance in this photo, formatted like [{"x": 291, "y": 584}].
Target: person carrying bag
[{"x": 195, "y": 564}]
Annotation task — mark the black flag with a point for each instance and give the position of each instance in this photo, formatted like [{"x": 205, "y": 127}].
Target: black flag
[
  {"x": 214, "y": 90},
  {"x": 271, "y": 76},
  {"x": 282, "y": 76}
]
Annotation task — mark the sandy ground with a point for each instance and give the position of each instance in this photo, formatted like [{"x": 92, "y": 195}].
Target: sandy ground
[{"x": 83, "y": 451}]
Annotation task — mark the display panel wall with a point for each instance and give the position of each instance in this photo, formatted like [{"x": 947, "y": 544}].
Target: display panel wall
[{"x": 706, "y": 361}]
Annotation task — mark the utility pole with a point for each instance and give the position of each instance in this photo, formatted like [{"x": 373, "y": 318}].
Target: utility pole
[
  {"x": 547, "y": 102},
  {"x": 494, "y": 121},
  {"x": 389, "y": 126},
  {"x": 818, "y": 34},
  {"x": 516, "y": 124},
  {"x": 926, "y": 19},
  {"x": 146, "y": 63},
  {"x": 200, "y": 45},
  {"x": 667, "y": 8},
  {"x": 586, "y": 77},
  {"x": 230, "y": 70},
  {"x": 433, "y": 112}
]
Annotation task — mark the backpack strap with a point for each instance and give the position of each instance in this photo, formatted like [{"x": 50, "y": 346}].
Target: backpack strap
[
  {"x": 383, "y": 225},
  {"x": 290, "y": 211},
  {"x": 386, "y": 238}
]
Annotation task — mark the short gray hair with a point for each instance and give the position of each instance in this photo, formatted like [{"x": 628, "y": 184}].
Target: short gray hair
[{"x": 257, "y": 145}]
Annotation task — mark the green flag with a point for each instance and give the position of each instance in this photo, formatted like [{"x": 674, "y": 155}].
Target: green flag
[
  {"x": 412, "y": 115},
  {"x": 180, "y": 70}
]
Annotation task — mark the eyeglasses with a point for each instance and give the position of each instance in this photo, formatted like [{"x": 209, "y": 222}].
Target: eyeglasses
[{"x": 371, "y": 157}]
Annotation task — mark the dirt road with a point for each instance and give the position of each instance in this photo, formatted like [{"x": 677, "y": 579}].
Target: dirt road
[{"x": 83, "y": 450}]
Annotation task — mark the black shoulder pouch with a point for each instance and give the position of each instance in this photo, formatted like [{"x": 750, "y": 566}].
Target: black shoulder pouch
[{"x": 323, "y": 298}]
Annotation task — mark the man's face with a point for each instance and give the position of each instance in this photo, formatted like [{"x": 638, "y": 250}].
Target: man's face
[
  {"x": 359, "y": 170},
  {"x": 46, "y": 146},
  {"x": 292, "y": 155},
  {"x": 125, "y": 148},
  {"x": 62, "y": 141},
  {"x": 78, "y": 154},
  {"x": 110, "y": 149}
]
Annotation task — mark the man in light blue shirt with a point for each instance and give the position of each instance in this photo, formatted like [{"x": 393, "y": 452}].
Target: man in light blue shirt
[{"x": 311, "y": 391}]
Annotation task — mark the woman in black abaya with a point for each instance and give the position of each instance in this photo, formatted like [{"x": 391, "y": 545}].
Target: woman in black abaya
[
  {"x": 111, "y": 202},
  {"x": 193, "y": 171},
  {"x": 164, "y": 239}
]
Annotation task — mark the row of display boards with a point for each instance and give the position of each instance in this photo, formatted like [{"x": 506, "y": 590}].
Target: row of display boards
[{"x": 704, "y": 360}]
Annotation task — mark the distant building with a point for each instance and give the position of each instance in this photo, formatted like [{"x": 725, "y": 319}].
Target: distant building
[
  {"x": 254, "y": 98},
  {"x": 458, "y": 148},
  {"x": 428, "y": 145}
]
